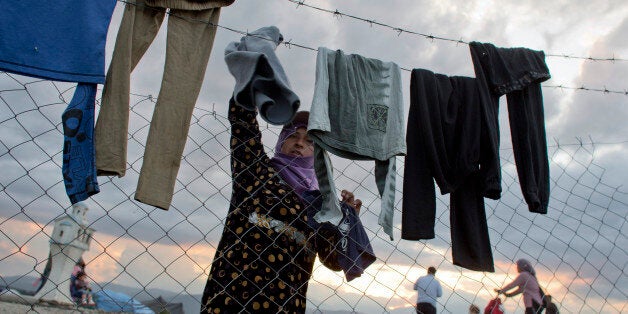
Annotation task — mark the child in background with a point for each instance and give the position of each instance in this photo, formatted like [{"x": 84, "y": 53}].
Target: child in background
[
  {"x": 474, "y": 309},
  {"x": 83, "y": 289}
]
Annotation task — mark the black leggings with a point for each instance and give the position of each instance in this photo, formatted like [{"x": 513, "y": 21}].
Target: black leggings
[
  {"x": 535, "y": 309},
  {"x": 425, "y": 308}
]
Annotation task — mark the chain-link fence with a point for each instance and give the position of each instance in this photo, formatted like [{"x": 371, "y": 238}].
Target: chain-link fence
[{"x": 579, "y": 248}]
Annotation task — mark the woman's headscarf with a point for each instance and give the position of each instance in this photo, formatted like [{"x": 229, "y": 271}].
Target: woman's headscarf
[
  {"x": 524, "y": 265},
  {"x": 298, "y": 172}
]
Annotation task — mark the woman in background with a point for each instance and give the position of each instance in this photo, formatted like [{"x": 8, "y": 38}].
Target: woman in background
[{"x": 527, "y": 284}]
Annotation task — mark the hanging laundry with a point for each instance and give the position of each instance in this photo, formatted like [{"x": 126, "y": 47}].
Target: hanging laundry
[
  {"x": 191, "y": 32},
  {"x": 79, "y": 165},
  {"x": 62, "y": 41},
  {"x": 260, "y": 79},
  {"x": 55, "y": 40},
  {"x": 517, "y": 73},
  {"x": 353, "y": 250},
  {"x": 445, "y": 143},
  {"x": 357, "y": 113}
]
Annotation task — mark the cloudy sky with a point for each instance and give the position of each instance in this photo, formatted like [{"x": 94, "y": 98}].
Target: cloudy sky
[{"x": 578, "y": 248}]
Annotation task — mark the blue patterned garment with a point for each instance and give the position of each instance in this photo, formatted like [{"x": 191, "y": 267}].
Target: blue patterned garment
[
  {"x": 353, "y": 249},
  {"x": 62, "y": 41},
  {"x": 79, "y": 166}
]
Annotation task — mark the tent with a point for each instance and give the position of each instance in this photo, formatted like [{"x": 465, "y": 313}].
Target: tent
[
  {"x": 160, "y": 305},
  {"x": 111, "y": 301}
]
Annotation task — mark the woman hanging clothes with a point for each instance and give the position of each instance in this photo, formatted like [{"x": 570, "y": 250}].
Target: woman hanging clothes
[{"x": 267, "y": 251}]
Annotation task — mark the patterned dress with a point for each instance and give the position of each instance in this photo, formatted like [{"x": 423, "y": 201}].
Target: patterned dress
[{"x": 265, "y": 256}]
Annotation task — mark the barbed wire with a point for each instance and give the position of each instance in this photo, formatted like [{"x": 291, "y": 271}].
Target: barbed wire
[
  {"x": 584, "y": 88},
  {"x": 400, "y": 30},
  {"x": 566, "y": 56},
  {"x": 289, "y": 44}
]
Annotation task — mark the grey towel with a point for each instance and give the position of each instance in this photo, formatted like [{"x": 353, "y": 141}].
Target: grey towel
[
  {"x": 260, "y": 79},
  {"x": 357, "y": 113}
]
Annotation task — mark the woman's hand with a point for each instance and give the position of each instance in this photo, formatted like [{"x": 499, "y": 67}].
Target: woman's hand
[
  {"x": 348, "y": 197},
  {"x": 499, "y": 291}
]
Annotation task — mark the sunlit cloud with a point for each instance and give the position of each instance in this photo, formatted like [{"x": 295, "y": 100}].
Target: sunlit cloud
[{"x": 112, "y": 262}]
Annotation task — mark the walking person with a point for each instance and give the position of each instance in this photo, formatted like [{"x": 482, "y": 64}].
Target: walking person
[
  {"x": 527, "y": 284},
  {"x": 429, "y": 289}
]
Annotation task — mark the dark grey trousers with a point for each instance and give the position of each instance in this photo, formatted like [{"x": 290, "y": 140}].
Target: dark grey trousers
[
  {"x": 444, "y": 141},
  {"x": 517, "y": 73}
]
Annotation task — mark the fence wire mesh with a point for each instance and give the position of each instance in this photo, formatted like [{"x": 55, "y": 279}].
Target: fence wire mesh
[{"x": 579, "y": 248}]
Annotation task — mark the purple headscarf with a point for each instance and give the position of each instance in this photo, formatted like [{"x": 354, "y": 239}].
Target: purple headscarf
[
  {"x": 298, "y": 172},
  {"x": 524, "y": 265}
]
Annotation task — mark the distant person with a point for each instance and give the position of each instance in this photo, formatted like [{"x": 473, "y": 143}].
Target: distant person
[
  {"x": 78, "y": 267},
  {"x": 551, "y": 306},
  {"x": 527, "y": 284},
  {"x": 83, "y": 291},
  {"x": 474, "y": 309},
  {"x": 494, "y": 306},
  {"x": 429, "y": 289},
  {"x": 82, "y": 284}
]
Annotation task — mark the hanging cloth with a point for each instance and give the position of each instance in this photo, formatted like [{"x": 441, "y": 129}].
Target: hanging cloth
[
  {"x": 191, "y": 31},
  {"x": 357, "y": 113},
  {"x": 62, "y": 41},
  {"x": 260, "y": 79},
  {"x": 445, "y": 145},
  {"x": 55, "y": 40},
  {"x": 517, "y": 73}
]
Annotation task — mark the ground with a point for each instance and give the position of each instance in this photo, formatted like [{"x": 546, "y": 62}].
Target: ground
[{"x": 19, "y": 308}]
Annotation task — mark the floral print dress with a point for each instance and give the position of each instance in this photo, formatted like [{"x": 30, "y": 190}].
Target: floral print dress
[{"x": 266, "y": 254}]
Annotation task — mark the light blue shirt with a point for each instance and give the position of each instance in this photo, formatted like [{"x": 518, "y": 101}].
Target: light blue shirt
[{"x": 429, "y": 289}]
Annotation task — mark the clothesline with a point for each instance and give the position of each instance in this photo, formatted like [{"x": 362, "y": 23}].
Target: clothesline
[{"x": 400, "y": 30}]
